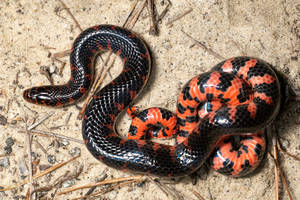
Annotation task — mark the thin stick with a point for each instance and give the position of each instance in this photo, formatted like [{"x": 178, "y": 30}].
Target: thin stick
[
  {"x": 61, "y": 54},
  {"x": 67, "y": 176},
  {"x": 153, "y": 27},
  {"x": 6, "y": 155},
  {"x": 135, "y": 17},
  {"x": 131, "y": 12},
  {"x": 163, "y": 13},
  {"x": 68, "y": 118},
  {"x": 47, "y": 47},
  {"x": 276, "y": 171},
  {"x": 284, "y": 151},
  {"x": 28, "y": 142},
  {"x": 105, "y": 70},
  {"x": 69, "y": 12},
  {"x": 98, "y": 80},
  {"x": 197, "y": 195},
  {"x": 40, "y": 174},
  {"x": 46, "y": 133},
  {"x": 28, "y": 194},
  {"x": 40, "y": 146},
  {"x": 277, "y": 166},
  {"x": 59, "y": 165},
  {"x": 159, "y": 185},
  {"x": 28, "y": 138},
  {"x": 210, "y": 196},
  {"x": 284, "y": 181},
  {"x": 117, "y": 180},
  {"x": 170, "y": 22},
  {"x": 63, "y": 64},
  {"x": 204, "y": 47},
  {"x": 40, "y": 121},
  {"x": 91, "y": 190},
  {"x": 108, "y": 189}
]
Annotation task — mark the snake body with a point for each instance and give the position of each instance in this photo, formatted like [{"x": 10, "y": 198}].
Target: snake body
[{"x": 238, "y": 95}]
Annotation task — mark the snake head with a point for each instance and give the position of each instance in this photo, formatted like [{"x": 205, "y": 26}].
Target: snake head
[{"x": 37, "y": 95}]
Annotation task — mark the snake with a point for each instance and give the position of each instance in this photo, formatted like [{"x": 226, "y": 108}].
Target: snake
[{"x": 239, "y": 97}]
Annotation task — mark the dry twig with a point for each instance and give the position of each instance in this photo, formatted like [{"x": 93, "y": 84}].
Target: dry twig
[
  {"x": 278, "y": 171},
  {"x": 131, "y": 12},
  {"x": 31, "y": 187},
  {"x": 135, "y": 17},
  {"x": 46, "y": 72},
  {"x": 70, "y": 13},
  {"x": 91, "y": 190},
  {"x": 39, "y": 174},
  {"x": 153, "y": 23},
  {"x": 96, "y": 83},
  {"x": 210, "y": 51},
  {"x": 170, "y": 22},
  {"x": 285, "y": 152},
  {"x": 197, "y": 195},
  {"x": 108, "y": 189},
  {"x": 62, "y": 54},
  {"x": 159, "y": 185},
  {"x": 49, "y": 134},
  {"x": 40, "y": 121},
  {"x": 117, "y": 180},
  {"x": 67, "y": 176},
  {"x": 164, "y": 12}
]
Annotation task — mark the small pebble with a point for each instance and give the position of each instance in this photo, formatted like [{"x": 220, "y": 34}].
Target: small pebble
[
  {"x": 295, "y": 58},
  {"x": 41, "y": 194},
  {"x": 44, "y": 167},
  {"x": 285, "y": 143},
  {"x": 7, "y": 150},
  {"x": 23, "y": 169},
  {"x": 34, "y": 155},
  {"x": 52, "y": 69},
  {"x": 4, "y": 162},
  {"x": 286, "y": 70},
  {"x": 68, "y": 183},
  {"x": 51, "y": 159},
  {"x": 141, "y": 184},
  {"x": 9, "y": 141},
  {"x": 65, "y": 142},
  {"x": 13, "y": 122},
  {"x": 75, "y": 151},
  {"x": 44, "y": 68},
  {"x": 3, "y": 120}
]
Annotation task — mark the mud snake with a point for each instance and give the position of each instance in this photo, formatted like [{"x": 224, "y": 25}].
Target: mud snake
[{"x": 239, "y": 95}]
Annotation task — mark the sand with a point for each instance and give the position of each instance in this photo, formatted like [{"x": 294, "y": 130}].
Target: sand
[{"x": 267, "y": 29}]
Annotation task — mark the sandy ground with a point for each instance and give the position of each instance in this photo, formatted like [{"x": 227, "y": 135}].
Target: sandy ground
[{"x": 267, "y": 29}]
